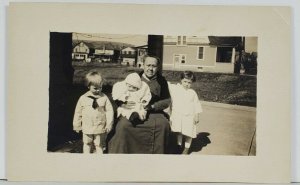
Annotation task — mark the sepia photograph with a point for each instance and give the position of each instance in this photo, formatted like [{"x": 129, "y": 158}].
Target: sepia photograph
[
  {"x": 152, "y": 94},
  {"x": 148, "y": 93}
]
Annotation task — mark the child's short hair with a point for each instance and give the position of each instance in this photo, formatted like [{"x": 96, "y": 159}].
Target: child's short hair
[
  {"x": 188, "y": 75},
  {"x": 93, "y": 78}
]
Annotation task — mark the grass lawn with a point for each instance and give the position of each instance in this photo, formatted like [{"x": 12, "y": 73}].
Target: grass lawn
[{"x": 213, "y": 87}]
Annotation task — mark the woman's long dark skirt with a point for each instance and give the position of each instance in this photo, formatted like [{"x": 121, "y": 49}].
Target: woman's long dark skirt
[{"x": 150, "y": 137}]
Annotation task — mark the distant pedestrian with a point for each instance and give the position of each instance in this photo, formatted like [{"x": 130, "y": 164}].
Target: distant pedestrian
[
  {"x": 240, "y": 63},
  {"x": 243, "y": 61},
  {"x": 93, "y": 114},
  {"x": 185, "y": 109},
  {"x": 132, "y": 89}
]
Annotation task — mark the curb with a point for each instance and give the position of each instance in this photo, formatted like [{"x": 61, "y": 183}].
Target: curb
[{"x": 229, "y": 106}]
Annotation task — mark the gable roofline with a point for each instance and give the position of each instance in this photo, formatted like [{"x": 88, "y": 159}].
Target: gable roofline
[
  {"x": 102, "y": 44},
  {"x": 133, "y": 48},
  {"x": 143, "y": 47}
]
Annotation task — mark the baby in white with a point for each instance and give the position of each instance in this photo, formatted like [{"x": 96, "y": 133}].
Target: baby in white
[{"x": 132, "y": 89}]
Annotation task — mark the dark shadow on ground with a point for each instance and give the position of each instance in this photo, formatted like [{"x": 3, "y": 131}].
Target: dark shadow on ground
[
  {"x": 198, "y": 143},
  {"x": 201, "y": 141}
]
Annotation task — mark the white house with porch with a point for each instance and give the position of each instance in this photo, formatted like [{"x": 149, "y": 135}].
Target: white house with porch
[
  {"x": 81, "y": 52},
  {"x": 128, "y": 56}
]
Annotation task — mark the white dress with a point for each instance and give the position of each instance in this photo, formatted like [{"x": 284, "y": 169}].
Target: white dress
[
  {"x": 141, "y": 97},
  {"x": 185, "y": 104}
]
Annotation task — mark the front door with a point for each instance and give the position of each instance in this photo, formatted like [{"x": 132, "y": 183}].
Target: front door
[{"x": 176, "y": 61}]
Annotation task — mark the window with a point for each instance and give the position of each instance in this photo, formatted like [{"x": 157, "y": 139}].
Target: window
[
  {"x": 181, "y": 40},
  {"x": 200, "y": 53},
  {"x": 224, "y": 54},
  {"x": 184, "y": 40},
  {"x": 183, "y": 59}
]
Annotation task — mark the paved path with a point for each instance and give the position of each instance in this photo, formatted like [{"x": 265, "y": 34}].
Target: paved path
[
  {"x": 223, "y": 130},
  {"x": 226, "y": 130}
]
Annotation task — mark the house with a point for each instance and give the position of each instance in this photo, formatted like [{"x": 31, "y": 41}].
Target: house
[
  {"x": 81, "y": 52},
  {"x": 142, "y": 51},
  {"x": 188, "y": 53},
  {"x": 229, "y": 51},
  {"x": 97, "y": 51},
  {"x": 208, "y": 54},
  {"x": 128, "y": 55},
  {"x": 226, "y": 53},
  {"x": 104, "y": 53},
  {"x": 134, "y": 56}
]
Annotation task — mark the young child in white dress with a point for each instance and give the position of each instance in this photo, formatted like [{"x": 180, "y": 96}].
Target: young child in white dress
[
  {"x": 132, "y": 89},
  {"x": 93, "y": 113},
  {"x": 185, "y": 109}
]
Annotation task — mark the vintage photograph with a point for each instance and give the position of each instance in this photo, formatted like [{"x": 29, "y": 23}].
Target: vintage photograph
[{"x": 152, "y": 94}]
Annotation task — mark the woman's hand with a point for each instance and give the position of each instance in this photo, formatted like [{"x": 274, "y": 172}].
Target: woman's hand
[
  {"x": 149, "y": 107},
  {"x": 128, "y": 105}
]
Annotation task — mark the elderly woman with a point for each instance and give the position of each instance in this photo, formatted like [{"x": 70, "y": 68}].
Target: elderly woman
[{"x": 151, "y": 135}]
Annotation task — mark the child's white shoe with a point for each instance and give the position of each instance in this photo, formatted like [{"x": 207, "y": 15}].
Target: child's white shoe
[
  {"x": 99, "y": 150},
  {"x": 186, "y": 151}
]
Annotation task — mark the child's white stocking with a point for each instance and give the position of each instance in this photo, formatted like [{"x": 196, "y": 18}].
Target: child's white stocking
[
  {"x": 188, "y": 142},
  {"x": 99, "y": 150},
  {"x": 97, "y": 143},
  {"x": 86, "y": 148}
]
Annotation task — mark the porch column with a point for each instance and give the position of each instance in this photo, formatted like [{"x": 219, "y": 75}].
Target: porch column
[
  {"x": 155, "y": 47},
  {"x": 233, "y": 58},
  {"x": 233, "y": 55}
]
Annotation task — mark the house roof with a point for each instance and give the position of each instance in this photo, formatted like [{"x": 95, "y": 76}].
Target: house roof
[
  {"x": 89, "y": 44},
  {"x": 210, "y": 40},
  {"x": 225, "y": 41},
  {"x": 129, "y": 49},
  {"x": 102, "y": 44},
  {"x": 142, "y": 47}
]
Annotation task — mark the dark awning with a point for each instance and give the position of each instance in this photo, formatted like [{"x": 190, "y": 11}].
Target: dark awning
[{"x": 225, "y": 41}]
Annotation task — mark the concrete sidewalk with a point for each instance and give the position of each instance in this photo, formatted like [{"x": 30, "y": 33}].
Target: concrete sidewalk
[
  {"x": 223, "y": 130},
  {"x": 226, "y": 130}
]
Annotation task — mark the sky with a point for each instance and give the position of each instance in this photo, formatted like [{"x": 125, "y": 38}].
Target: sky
[{"x": 136, "y": 40}]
